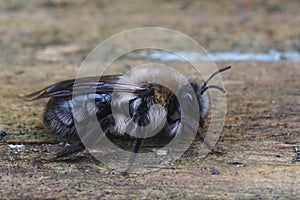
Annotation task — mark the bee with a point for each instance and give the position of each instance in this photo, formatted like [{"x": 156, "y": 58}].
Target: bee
[{"x": 77, "y": 100}]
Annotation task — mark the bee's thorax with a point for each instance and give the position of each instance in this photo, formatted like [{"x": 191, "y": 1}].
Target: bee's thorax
[{"x": 162, "y": 95}]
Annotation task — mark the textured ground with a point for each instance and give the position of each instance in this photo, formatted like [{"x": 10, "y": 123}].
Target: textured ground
[{"x": 262, "y": 125}]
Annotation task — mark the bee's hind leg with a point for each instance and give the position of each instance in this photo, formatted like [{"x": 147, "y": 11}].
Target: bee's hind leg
[
  {"x": 137, "y": 143},
  {"x": 75, "y": 147},
  {"x": 70, "y": 149}
]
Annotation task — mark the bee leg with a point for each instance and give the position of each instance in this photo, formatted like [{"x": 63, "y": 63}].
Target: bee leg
[
  {"x": 135, "y": 149},
  {"x": 137, "y": 143},
  {"x": 199, "y": 134},
  {"x": 65, "y": 152},
  {"x": 174, "y": 129},
  {"x": 142, "y": 120},
  {"x": 70, "y": 149}
]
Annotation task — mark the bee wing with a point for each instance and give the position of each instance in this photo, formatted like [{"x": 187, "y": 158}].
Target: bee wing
[{"x": 88, "y": 85}]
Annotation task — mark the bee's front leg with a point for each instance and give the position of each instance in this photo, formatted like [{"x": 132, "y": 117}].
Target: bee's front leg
[{"x": 175, "y": 129}]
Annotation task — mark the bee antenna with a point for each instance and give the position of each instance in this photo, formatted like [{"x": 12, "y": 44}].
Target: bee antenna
[
  {"x": 213, "y": 86},
  {"x": 205, "y": 87}
]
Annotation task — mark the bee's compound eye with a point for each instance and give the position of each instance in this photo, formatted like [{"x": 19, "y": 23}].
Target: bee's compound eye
[{"x": 188, "y": 96}]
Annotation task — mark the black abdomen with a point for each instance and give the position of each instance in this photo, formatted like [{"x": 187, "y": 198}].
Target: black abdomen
[{"x": 61, "y": 112}]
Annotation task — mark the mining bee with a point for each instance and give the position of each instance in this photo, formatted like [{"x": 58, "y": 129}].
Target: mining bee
[{"x": 93, "y": 96}]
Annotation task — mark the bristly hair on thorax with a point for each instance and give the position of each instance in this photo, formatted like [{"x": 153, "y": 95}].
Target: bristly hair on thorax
[{"x": 164, "y": 86}]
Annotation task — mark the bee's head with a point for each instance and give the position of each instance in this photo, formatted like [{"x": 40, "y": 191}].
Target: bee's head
[{"x": 201, "y": 88}]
